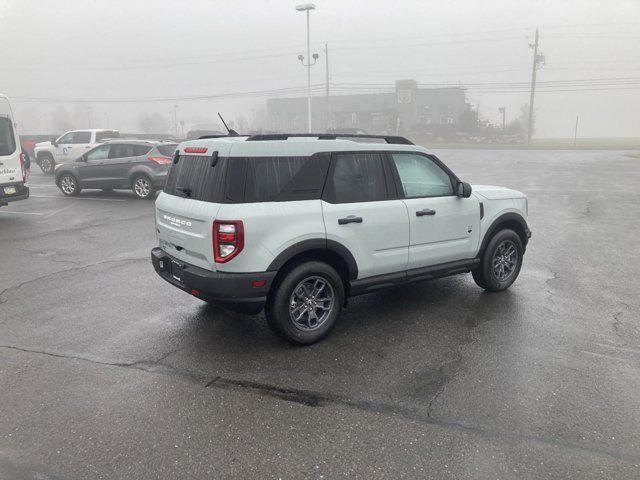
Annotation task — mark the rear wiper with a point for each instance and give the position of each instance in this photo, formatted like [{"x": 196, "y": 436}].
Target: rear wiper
[{"x": 186, "y": 192}]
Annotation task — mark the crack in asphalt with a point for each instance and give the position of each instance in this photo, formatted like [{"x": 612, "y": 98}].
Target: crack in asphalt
[
  {"x": 316, "y": 399},
  {"x": 58, "y": 272}
]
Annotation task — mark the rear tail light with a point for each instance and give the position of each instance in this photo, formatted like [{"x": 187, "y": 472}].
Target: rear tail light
[
  {"x": 228, "y": 239},
  {"x": 25, "y": 174},
  {"x": 161, "y": 160}
]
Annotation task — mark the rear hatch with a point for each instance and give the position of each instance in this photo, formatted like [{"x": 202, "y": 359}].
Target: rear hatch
[
  {"x": 189, "y": 204},
  {"x": 10, "y": 165}
]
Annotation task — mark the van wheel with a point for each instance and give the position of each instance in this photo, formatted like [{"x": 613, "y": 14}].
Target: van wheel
[
  {"x": 46, "y": 164},
  {"x": 142, "y": 187},
  {"x": 501, "y": 262},
  {"x": 69, "y": 185},
  {"x": 306, "y": 304}
]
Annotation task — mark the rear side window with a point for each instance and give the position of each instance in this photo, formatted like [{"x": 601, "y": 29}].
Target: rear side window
[
  {"x": 197, "y": 177},
  {"x": 357, "y": 177},
  {"x": 271, "y": 179},
  {"x": 120, "y": 150},
  {"x": 81, "y": 137},
  {"x": 167, "y": 150},
  {"x": 139, "y": 150},
  {"x": 7, "y": 141},
  {"x": 100, "y": 136}
]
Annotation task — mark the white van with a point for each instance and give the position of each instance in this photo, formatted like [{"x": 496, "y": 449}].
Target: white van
[{"x": 13, "y": 173}]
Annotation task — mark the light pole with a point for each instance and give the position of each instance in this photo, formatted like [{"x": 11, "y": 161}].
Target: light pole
[
  {"x": 307, "y": 7},
  {"x": 503, "y": 111}
]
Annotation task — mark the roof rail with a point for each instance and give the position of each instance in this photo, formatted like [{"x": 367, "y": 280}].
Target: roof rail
[{"x": 393, "y": 139}]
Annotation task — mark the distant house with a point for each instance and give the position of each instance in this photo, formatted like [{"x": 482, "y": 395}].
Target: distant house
[{"x": 409, "y": 108}]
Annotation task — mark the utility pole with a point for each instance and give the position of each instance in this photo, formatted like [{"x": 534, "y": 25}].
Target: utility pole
[
  {"x": 503, "y": 111},
  {"x": 575, "y": 133},
  {"x": 537, "y": 60},
  {"x": 326, "y": 63},
  {"x": 307, "y": 7},
  {"x": 175, "y": 119}
]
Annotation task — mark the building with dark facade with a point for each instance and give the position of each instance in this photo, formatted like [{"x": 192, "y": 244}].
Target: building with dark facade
[{"x": 409, "y": 108}]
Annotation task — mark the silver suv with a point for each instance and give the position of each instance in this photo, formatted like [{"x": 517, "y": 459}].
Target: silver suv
[{"x": 295, "y": 224}]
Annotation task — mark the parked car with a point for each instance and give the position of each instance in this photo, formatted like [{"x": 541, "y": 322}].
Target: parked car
[
  {"x": 139, "y": 165},
  {"x": 69, "y": 146},
  {"x": 296, "y": 227},
  {"x": 13, "y": 167}
]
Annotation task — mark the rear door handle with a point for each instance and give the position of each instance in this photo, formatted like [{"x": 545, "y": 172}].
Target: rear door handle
[
  {"x": 349, "y": 219},
  {"x": 425, "y": 211}
]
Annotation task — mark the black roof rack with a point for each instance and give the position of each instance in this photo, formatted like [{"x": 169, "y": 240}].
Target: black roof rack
[{"x": 329, "y": 136}]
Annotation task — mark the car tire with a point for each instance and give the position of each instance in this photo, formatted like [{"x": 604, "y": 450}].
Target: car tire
[
  {"x": 501, "y": 262},
  {"x": 142, "y": 187},
  {"x": 47, "y": 164},
  {"x": 69, "y": 185},
  {"x": 306, "y": 303}
]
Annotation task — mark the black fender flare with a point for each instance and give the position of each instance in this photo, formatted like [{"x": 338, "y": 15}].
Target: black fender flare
[
  {"x": 316, "y": 244},
  {"x": 505, "y": 217}
]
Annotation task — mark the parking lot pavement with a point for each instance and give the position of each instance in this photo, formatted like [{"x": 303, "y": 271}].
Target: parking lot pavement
[{"x": 109, "y": 372}]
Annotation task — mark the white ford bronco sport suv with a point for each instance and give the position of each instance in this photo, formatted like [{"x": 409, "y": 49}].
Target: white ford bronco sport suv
[
  {"x": 295, "y": 224},
  {"x": 68, "y": 147}
]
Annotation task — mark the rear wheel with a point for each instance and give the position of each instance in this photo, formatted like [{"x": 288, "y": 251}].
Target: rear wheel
[
  {"x": 501, "y": 262},
  {"x": 46, "y": 164},
  {"x": 306, "y": 304},
  {"x": 142, "y": 187},
  {"x": 69, "y": 185}
]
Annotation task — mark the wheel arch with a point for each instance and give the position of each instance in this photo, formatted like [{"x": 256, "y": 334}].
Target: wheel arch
[
  {"x": 329, "y": 251},
  {"x": 510, "y": 220}
]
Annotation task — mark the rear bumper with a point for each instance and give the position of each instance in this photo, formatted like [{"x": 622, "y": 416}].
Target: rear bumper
[
  {"x": 235, "y": 291},
  {"x": 22, "y": 193}
]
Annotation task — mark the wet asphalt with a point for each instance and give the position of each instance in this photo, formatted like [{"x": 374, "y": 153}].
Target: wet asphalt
[{"x": 106, "y": 371}]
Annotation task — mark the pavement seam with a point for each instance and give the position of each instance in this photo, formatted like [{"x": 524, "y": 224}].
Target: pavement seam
[{"x": 315, "y": 399}]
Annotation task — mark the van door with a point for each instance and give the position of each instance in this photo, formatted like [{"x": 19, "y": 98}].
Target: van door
[
  {"x": 443, "y": 226},
  {"x": 10, "y": 167},
  {"x": 362, "y": 213}
]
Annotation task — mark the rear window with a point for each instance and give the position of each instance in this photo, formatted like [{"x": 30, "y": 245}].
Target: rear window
[
  {"x": 7, "y": 141},
  {"x": 167, "y": 150},
  {"x": 271, "y": 179},
  {"x": 195, "y": 177},
  {"x": 139, "y": 150},
  {"x": 357, "y": 177},
  {"x": 119, "y": 150}
]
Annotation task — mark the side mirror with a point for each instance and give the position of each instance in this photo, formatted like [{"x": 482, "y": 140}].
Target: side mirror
[
  {"x": 464, "y": 190},
  {"x": 54, "y": 142},
  {"x": 83, "y": 158}
]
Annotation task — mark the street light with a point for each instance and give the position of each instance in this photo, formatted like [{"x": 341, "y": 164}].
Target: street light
[
  {"x": 307, "y": 7},
  {"x": 503, "y": 111}
]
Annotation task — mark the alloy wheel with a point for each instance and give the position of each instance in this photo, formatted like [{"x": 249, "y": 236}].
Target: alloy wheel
[
  {"x": 68, "y": 184},
  {"x": 142, "y": 187},
  {"x": 311, "y": 303},
  {"x": 505, "y": 260}
]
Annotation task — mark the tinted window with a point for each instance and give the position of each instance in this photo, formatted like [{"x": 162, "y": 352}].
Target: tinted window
[
  {"x": 421, "y": 176},
  {"x": 7, "y": 142},
  {"x": 81, "y": 137},
  {"x": 99, "y": 153},
  {"x": 357, "y": 177},
  {"x": 285, "y": 178},
  {"x": 139, "y": 150},
  {"x": 100, "y": 136},
  {"x": 167, "y": 150},
  {"x": 195, "y": 177},
  {"x": 122, "y": 150}
]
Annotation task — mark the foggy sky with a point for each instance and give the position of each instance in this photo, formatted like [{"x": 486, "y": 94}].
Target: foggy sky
[{"x": 133, "y": 49}]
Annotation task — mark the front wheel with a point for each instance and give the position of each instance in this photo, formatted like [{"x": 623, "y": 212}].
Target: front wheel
[
  {"x": 46, "y": 164},
  {"x": 306, "y": 304},
  {"x": 501, "y": 262},
  {"x": 69, "y": 185},
  {"x": 142, "y": 187}
]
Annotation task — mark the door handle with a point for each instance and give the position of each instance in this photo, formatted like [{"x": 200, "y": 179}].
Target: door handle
[
  {"x": 426, "y": 211},
  {"x": 349, "y": 219}
]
